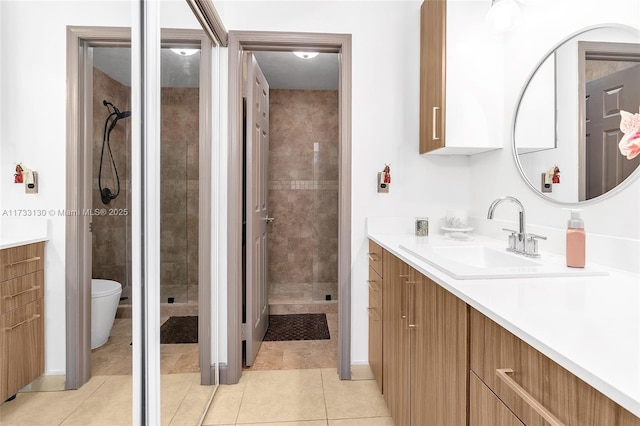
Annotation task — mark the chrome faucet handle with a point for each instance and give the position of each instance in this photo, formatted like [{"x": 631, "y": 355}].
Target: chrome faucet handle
[
  {"x": 532, "y": 244},
  {"x": 512, "y": 239},
  {"x": 534, "y": 236}
]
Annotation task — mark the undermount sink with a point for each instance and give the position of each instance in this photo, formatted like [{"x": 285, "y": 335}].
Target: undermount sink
[
  {"x": 475, "y": 261},
  {"x": 483, "y": 257}
]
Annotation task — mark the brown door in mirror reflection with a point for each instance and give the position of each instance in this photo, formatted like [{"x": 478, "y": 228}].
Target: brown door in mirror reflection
[{"x": 606, "y": 96}]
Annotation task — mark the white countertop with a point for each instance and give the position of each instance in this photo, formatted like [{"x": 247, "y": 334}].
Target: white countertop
[
  {"x": 589, "y": 325},
  {"x": 21, "y": 231}
]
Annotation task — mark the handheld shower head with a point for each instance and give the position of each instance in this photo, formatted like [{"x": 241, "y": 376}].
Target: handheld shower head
[
  {"x": 106, "y": 194},
  {"x": 116, "y": 111}
]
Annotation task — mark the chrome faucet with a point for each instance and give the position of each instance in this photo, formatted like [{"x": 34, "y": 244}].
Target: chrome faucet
[{"x": 519, "y": 241}]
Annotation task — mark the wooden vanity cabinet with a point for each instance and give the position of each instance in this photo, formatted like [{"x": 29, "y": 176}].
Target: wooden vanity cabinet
[
  {"x": 21, "y": 317},
  {"x": 532, "y": 386},
  {"x": 375, "y": 312},
  {"x": 425, "y": 365},
  {"x": 395, "y": 338}
]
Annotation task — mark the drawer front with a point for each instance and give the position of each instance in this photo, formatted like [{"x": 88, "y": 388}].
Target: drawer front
[
  {"x": 515, "y": 371},
  {"x": 21, "y": 291},
  {"x": 22, "y": 333},
  {"x": 485, "y": 409},
  {"x": 375, "y": 289},
  {"x": 375, "y": 326},
  {"x": 375, "y": 257},
  {"x": 21, "y": 260}
]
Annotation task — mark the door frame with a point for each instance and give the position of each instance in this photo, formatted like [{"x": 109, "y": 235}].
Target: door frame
[
  {"x": 240, "y": 41},
  {"x": 78, "y": 197}
]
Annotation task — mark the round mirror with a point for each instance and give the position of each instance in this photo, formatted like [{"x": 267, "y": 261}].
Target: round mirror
[{"x": 567, "y": 124}]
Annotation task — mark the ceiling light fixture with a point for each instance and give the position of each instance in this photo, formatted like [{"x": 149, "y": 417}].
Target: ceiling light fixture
[
  {"x": 184, "y": 52},
  {"x": 306, "y": 55},
  {"x": 503, "y": 14}
]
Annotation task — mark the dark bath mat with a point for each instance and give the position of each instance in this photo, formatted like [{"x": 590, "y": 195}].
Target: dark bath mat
[
  {"x": 297, "y": 327},
  {"x": 179, "y": 330}
]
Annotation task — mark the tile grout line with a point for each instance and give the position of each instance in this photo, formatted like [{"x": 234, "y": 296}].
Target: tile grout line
[
  {"x": 324, "y": 396},
  {"x": 242, "y": 399},
  {"x": 84, "y": 399}
]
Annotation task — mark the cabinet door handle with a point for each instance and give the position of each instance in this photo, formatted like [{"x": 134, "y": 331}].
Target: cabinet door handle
[
  {"x": 435, "y": 122},
  {"x": 23, "y": 322},
  {"x": 412, "y": 304},
  {"x": 503, "y": 374},
  {"x": 31, "y": 259},
  {"x": 373, "y": 257},
  {"x": 405, "y": 300},
  {"x": 33, "y": 288}
]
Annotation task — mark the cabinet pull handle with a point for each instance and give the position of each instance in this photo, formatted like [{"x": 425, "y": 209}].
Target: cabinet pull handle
[
  {"x": 412, "y": 304},
  {"x": 35, "y": 287},
  {"x": 403, "y": 276},
  {"x": 23, "y": 322},
  {"x": 405, "y": 300},
  {"x": 435, "y": 122},
  {"x": 32, "y": 259},
  {"x": 373, "y": 257},
  {"x": 503, "y": 374}
]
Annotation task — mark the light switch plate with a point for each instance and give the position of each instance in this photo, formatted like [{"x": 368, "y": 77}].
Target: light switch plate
[{"x": 383, "y": 188}]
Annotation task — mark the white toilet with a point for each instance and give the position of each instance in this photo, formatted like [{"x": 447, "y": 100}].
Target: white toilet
[{"x": 105, "y": 296}]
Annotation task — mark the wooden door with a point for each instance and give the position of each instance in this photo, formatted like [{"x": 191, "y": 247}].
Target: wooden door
[
  {"x": 257, "y": 155},
  {"x": 606, "y": 96},
  {"x": 395, "y": 335},
  {"x": 433, "y": 23}
]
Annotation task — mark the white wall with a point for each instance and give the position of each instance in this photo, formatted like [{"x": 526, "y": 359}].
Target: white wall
[
  {"x": 544, "y": 23},
  {"x": 33, "y": 116}
]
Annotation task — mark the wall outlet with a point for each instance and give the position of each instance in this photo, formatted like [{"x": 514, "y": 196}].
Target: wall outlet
[
  {"x": 383, "y": 188},
  {"x": 32, "y": 188},
  {"x": 545, "y": 187}
]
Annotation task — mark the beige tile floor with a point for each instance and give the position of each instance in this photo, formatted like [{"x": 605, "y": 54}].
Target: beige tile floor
[
  {"x": 310, "y": 397},
  {"x": 106, "y": 400},
  {"x": 114, "y": 357}
]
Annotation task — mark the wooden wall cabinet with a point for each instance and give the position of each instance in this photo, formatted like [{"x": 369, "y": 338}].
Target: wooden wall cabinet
[
  {"x": 21, "y": 317},
  {"x": 375, "y": 312},
  {"x": 433, "y": 28},
  {"x": 425, "y": 365},
  {"x": 534, "y": 388},
  {"x": 461, "y": 81}
]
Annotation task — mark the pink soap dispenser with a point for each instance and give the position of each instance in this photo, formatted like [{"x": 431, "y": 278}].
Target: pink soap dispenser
[{"x": 575, "y": 240}]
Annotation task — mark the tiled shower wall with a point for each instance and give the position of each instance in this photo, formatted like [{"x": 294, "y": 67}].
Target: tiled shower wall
[
  {"x": 179, "y": 195},
  {"x": 179, "y": 191},
  {"x": 111, "y": 234},
  {"x": 303, "y": 192}
]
